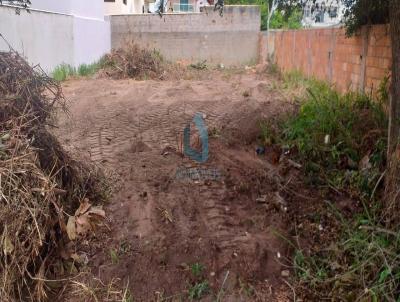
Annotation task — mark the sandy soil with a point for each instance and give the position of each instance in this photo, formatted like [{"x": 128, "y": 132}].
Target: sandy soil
[{"x": 160, "y": 226}]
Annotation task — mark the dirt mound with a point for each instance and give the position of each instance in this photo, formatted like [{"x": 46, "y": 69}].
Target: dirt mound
[{"x": 39, "y": 181}]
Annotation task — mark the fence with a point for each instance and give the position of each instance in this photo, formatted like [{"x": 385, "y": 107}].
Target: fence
[{"x": 356, "y": 63}]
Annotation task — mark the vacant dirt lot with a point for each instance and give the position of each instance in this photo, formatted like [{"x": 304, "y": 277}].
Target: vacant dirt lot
[{"x": 171, "y": 238}]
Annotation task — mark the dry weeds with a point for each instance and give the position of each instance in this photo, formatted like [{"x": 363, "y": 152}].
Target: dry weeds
[{"x": 39, "y": 181}]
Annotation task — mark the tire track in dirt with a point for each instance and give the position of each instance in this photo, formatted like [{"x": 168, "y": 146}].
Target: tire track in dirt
[{"x": 170, "y": 223}]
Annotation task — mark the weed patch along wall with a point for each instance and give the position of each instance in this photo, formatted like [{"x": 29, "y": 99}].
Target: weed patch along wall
[{"x": 342, "y": 250}]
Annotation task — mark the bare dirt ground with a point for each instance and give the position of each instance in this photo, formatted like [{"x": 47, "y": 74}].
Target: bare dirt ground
[{"x": 167, "y": 235}]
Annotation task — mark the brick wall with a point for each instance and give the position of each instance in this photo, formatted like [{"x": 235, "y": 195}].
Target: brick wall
[{"x": 356, "y": 63}]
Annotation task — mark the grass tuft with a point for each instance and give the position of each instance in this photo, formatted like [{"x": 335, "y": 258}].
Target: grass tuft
[
  {"x": 362, "y": 265},
  {"x": 65, "y": 71},
  {"x": 62, "y": 72},
  {"x": 198, "y": 290}
]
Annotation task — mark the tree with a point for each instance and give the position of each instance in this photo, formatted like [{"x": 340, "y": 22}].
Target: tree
[
  {"x": 20, "y": 3},
  {"x": 365, "y": 12},
  {"x": 393, "y": 177},
  {"x": 272, "y": 6},
  {"x": 271, "y": 14}
]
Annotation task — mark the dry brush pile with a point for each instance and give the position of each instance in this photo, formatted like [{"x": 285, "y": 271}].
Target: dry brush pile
[
  {"x": 39, "y": 182},
  {"x": 131, "y": 61}
]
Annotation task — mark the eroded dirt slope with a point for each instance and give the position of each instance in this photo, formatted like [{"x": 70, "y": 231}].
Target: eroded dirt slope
[{"x": 161, "y": 227}]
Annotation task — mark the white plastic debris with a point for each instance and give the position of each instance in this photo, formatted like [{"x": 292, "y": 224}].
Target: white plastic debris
[{"x": 327, "y": 139}]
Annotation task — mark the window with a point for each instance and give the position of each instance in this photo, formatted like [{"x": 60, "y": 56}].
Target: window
[
  {"x": 319, "y": 18},
  {"x": 109, "y": 0},
  {"x": 125, "y": 1},
  {"x": 333, "y": 13},
  {"x": 307, "y": 11}
]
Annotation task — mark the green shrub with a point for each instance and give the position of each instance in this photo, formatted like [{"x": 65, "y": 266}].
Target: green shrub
[{"x": 341, "y": 138}]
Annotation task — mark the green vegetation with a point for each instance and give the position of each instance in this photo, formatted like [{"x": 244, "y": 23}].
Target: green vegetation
[
  {"x": 64, "y": 71},
  {"x": 362, "y": 265},
  {"x": 198, "y": 286},
  {"x": 114, "y": 256},
  {"x": 197, "y": 269},
  {"x": 341, "y": 141},
  {"x": 365, "y": 12},
  {"x": 279, "y": 20},
  {"x": 198, "y": 290},
  {"x": 340, "y": 138}
]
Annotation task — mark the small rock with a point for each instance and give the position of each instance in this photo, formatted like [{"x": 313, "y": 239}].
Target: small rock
[
  {"x": 285, "y": 273},
  {"x": 5, "y": 137},
  {"x": 262, "y": 199},
  {"x": 365, "y": 164},
  {"x": 260, "y": 150}
]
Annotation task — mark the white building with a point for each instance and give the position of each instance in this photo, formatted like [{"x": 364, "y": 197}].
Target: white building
[
  {"x": 119, "y": 7},
  {"x": 53, "y": 32},
  {"x": 322, "y": 13}
]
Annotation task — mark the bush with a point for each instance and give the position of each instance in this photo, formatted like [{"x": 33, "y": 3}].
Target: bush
[{"x": 340, "y": 138}]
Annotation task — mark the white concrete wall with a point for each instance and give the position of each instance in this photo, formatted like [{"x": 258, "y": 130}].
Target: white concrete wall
[
  {"x": 43, "y": 38},
  {"x": 50, "y": 39},
  {"x": 92, "y": 39}
]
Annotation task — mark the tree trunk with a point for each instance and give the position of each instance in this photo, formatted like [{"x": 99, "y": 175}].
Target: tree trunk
[{"x": 393, "y": 177}]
